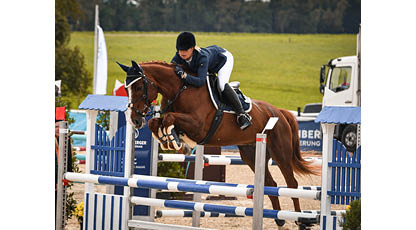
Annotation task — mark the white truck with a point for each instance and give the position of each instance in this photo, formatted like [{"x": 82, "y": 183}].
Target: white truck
[{"x": 342, "y": 87}]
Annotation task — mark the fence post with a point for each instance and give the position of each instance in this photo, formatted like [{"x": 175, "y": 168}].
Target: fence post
[
  {"x": 199, "y": 168},
  {"x": 258, "y": 196},
  {"x": 128, "y": 171},
  {"x": 62, "y": 167},
  {"x": 327, "y": 144},
  {"x": 154, "y": 154}
]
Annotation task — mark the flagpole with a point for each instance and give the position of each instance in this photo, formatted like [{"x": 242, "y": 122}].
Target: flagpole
[{"x": 94, "y": 85}]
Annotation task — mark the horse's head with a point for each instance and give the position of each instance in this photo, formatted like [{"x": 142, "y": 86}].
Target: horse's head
[{"x": 141, "y": 92}]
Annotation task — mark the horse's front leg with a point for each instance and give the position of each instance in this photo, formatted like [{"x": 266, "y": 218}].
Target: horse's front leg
[
  {"x": 159, "y": 133},
  {"x": 191, "y": 126},
  {"x": 155, "y": 125}
]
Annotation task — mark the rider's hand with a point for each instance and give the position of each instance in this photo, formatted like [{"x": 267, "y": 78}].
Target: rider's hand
[{"x": 179, "y": 71}]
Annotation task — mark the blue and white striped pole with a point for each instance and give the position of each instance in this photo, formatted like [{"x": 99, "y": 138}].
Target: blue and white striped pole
[
  {"x": 226, "y": 209},
  {"x": 220, "y": 159},
  {"x": 185, "y": 213},
  {"x": 217, "y": 188},
  {"x": 307, "y": 192},
  {"x": 171, "y": 186}
]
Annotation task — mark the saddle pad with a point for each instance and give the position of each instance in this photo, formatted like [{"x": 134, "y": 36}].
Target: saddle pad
[{"x": 245, "y": 101}]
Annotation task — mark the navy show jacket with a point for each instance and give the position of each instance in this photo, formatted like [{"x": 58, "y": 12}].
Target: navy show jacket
[{"x": 205, "y": 60}]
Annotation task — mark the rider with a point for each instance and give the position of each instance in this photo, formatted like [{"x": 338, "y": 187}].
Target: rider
[{"x": 212, "y": 59}]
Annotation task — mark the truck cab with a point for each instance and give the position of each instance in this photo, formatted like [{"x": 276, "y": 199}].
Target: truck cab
[{"x": 341, "y": 86}]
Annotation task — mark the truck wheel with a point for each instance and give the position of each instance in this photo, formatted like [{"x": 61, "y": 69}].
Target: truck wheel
[{"x": 349, "y": 138}]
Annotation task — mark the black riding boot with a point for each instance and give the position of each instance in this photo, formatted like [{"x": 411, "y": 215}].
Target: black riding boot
[{"x": 243, "y": 119}]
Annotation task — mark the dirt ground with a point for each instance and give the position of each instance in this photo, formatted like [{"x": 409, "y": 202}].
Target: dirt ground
[{"x": 234, "y": 174}]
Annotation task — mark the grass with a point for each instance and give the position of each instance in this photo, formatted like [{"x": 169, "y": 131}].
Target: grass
[{"x": 282, "y": 69}]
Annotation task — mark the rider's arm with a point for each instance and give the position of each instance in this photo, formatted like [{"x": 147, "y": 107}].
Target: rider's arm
[
  {"x": 199, "y": 80},
  {"x": 175, "y": 59}
]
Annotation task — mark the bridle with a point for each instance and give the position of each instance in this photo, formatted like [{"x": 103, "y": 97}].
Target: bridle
[{"x": 145, "y": 96}]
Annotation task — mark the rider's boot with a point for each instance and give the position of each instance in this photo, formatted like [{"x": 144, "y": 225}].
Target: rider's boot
[{"x": 243, "y": 119}]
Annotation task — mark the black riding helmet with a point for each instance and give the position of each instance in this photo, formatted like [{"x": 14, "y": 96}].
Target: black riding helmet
[{"x": 185, "y": 41}]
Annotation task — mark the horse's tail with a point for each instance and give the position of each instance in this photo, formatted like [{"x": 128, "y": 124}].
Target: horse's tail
[{"x": 300, "y": 165}]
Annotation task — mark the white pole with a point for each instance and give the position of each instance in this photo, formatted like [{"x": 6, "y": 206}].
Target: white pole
[
  {"x": 62, "y": 167},
  {"x": 327, "y": 143},
  {"x": 89, "y": 156},
  {"x": 153, "y": 169},
  {"x": 89, "y": 161},
  {"x": 199, "y": 167},
  {"x": 128, "y": 171},
  {"x": 258, "y": 196},
  {"x": 94, "y": 84}
]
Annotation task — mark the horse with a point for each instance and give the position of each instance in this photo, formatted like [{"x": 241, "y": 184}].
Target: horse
[{"x": 188, "y": 109}]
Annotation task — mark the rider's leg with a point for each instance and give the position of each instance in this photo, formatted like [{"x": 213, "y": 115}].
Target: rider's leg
[
  {"x": 224, "y": 76},
  {"x": 225, "y": 72},
  {"x": 242, "y": 118}
]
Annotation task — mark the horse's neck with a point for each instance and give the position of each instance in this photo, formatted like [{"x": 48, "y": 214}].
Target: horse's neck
[{"x": 165, "y": 79}]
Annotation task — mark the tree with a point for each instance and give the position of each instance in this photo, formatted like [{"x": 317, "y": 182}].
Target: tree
[
  {"x": 352, "y": 17},
  {"x": 69, "y": 63},
  {"x": 276, "y": 16}
]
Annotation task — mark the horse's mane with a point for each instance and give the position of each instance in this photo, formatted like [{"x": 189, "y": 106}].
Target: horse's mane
[
  {"x": 158, "y": 62},
  {"x": 165, "y": 64}
]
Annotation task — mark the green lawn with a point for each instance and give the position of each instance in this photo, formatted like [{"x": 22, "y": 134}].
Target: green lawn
[{"x": 282, "y": 69}]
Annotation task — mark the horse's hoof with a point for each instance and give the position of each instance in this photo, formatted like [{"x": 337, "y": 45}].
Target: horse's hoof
[{"x": 279, "y": 223}]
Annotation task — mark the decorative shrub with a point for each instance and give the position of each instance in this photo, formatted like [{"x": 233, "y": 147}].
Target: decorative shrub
[{"x": 352, "y": 218}]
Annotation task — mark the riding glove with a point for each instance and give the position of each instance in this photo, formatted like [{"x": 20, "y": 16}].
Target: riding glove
[{"x": 180, "y": 72}]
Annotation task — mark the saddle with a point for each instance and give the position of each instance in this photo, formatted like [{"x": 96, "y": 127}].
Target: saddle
[
  {"x": 216, "y": 95},
  {"x": 216, "y": 99}
]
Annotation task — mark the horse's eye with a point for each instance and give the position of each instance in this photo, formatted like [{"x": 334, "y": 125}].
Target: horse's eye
[{"x": 139, "y": 88}]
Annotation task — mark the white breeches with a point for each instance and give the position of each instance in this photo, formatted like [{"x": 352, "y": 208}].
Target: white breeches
[{"x": 225, "y": 72}]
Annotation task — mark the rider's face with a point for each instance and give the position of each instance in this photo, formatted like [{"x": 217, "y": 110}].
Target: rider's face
[{"x": 186, "y": 54}]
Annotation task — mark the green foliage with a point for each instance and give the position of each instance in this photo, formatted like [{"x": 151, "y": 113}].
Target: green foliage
[
  {"x": 353, "y": 216},
  {"x": 170, "y": 169},
  {"x": 103, "y": 119},
  {"x": 69, "y": 62},
  {"x": 71, "y": 203},
  {"x": 282, "y": 69},
  {"x": 70, "y": 68}
]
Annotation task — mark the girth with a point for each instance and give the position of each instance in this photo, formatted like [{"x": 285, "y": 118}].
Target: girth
[{"x": 216, "y": 121}]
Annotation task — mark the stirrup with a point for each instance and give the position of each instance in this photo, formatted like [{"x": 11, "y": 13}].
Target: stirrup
[{"x": 247, "y": 122}]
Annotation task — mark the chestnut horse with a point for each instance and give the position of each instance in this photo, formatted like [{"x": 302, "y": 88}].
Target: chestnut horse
[{"x": 189, "y": 110}]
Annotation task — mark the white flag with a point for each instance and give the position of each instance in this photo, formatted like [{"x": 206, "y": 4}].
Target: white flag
[{"x": 101, "y": 77}]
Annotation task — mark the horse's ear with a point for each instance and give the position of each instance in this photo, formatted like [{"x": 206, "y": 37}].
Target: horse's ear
[
  {"x": 125, "y": 68},
  {"x": 137, "y": 66}
]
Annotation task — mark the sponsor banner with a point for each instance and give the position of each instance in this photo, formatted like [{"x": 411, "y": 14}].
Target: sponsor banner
[{"x": 310, "y": 136}]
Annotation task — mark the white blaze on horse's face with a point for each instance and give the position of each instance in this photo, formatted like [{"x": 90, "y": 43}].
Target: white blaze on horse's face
[{"x": 136, "y": 122}]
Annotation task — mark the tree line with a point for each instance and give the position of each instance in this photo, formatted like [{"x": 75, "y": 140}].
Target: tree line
[
  {"x": 251, "y": 16},
  {"x": 69, "y": 62}
]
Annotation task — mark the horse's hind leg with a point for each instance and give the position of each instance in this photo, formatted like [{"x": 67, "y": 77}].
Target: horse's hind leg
[
  {"x": 248, "y": 155},
  {"x": 283, "y": 156}
]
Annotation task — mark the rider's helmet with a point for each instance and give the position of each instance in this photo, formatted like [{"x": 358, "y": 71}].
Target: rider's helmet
[{"x": 185, "y": 41}]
